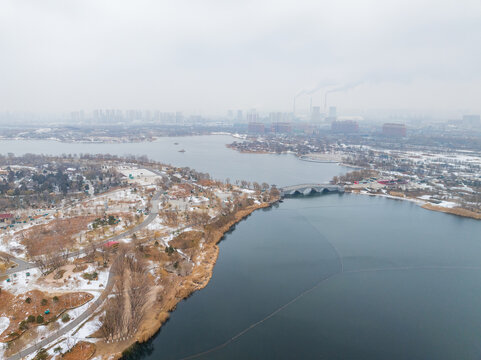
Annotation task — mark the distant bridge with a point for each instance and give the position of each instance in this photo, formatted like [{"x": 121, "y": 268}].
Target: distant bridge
[{"x": 308, "y": 189}]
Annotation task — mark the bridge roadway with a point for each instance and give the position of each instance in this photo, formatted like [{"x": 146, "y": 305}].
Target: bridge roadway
[{"x": 307, "y": 189}]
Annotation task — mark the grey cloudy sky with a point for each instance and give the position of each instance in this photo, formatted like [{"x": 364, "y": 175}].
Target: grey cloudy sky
[{"x": 205, "y": 56}]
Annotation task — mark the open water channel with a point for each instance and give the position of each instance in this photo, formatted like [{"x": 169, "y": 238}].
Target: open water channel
[{"x": 326, "y": 277}]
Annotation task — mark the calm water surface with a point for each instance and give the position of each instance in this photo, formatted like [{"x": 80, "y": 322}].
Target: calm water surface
[
  {"x": 402, "y": 283},
  {"x": 203, "y": 153},
  {"x": 381, "y": 279}
]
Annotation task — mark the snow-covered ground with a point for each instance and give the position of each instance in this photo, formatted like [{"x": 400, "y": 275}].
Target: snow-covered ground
[
  {"x": 447, "y": 204},
  {"x": 156, "y": 225},
  {"x": 22, "y": 283},
  {"x": 4, "y": 323},
  {"x": 74, "y": 336},
  {"x": 143, "y": 177}
]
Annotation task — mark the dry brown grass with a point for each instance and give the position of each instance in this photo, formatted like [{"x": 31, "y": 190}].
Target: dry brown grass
[
  {"x": 4, "y": 266},
  {"x": 17, "y": 309},
  {"x": 81, "y": 351},
  {"x": 398, "y": 194},
  {"x": 57, "y": 235},
  {"x": 455, "y": 211},
  {"x": 181, "y": 190},
  {"x": 187, "y": 239}
]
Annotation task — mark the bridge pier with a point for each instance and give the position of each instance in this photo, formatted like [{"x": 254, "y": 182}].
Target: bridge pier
[{"x": 308, "y": 189}]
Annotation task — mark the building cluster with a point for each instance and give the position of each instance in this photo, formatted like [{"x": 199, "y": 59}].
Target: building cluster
[
  {"x": 106, "y": 116},
  {"x": 436, "y": 176}
]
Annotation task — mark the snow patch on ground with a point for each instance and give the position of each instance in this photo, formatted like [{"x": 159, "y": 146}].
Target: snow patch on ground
[
  {"x": 23, "y": 283},
  {"x": 4, "y": 323},
  {"x": 156, "y": 224},
  {"x": 425, "y": 197},
  {"x": 447, "y": 204}
]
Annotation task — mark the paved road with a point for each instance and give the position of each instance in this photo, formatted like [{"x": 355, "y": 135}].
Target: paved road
[
  {"x": 152, "y": 214},
  {"x": 74, "y": 323},
  {"x": 23, "y": 265}
]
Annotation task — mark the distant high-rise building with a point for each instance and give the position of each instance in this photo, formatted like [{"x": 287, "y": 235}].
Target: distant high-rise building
[
  {"x": 77, "y": 115},
  {"x": 178, "y": 117},
  {"x": 332, "y": 111},
  {"x": 316, "y": 114},
  {"x": 147, "y": 115},
  {"x": 252, "y": 116},
  {"x": 281, "y": 127},
  {"x": 392, "y": 129},
  {"x": 239, "y": 115},
  {"x": 275, "y": 116}
]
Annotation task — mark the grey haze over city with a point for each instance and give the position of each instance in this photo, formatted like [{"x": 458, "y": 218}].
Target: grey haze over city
[
  {"x": 218, "y": 179},
  {"x": 205, "y": 57}
]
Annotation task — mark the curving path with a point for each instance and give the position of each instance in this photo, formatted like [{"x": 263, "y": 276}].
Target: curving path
[
  {"x": 73, "y": 324},
  {"x": 23, "y": 265}
]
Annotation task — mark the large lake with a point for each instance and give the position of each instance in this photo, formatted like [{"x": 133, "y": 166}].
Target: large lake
[
  {"x": 203, "y": 153},
  {"x": 345, "y": 276}
]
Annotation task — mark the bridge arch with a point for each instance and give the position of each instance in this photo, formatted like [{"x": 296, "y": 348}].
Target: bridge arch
[{"x": 310, "y": 189}]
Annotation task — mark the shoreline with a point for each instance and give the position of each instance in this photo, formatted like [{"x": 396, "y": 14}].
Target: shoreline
[
  {"x": 457, "y": 211},
  {"x": 196, "y": 281},
  {"x": 200, "y": 279}
]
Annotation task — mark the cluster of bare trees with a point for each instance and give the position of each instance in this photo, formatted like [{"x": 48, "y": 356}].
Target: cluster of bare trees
[
  {"x": 471, "y": 201},
  {"x": 127, "y": 308},
  {"x": 198, "y": 218},
  {"x": 171, "y": 217},
  {"x": 352, "y": 176}
]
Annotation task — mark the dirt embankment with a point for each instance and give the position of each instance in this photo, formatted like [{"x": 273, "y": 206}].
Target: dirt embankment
[
  {"x": 180, "y": 288},
  {"x": 200, "y": 276},
  {"x": 455, "y": 211}
]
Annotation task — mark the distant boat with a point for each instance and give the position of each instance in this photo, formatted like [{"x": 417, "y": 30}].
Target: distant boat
[
  {"x": 176, "y": 143},
  {"x": 182, "y": 150}
]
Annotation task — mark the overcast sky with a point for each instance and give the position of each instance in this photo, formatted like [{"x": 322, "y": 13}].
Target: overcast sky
[{"x": 209, "y": 56}]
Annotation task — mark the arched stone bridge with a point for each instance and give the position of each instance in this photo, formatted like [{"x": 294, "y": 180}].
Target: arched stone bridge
[{"x": 308, "y": 189}]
